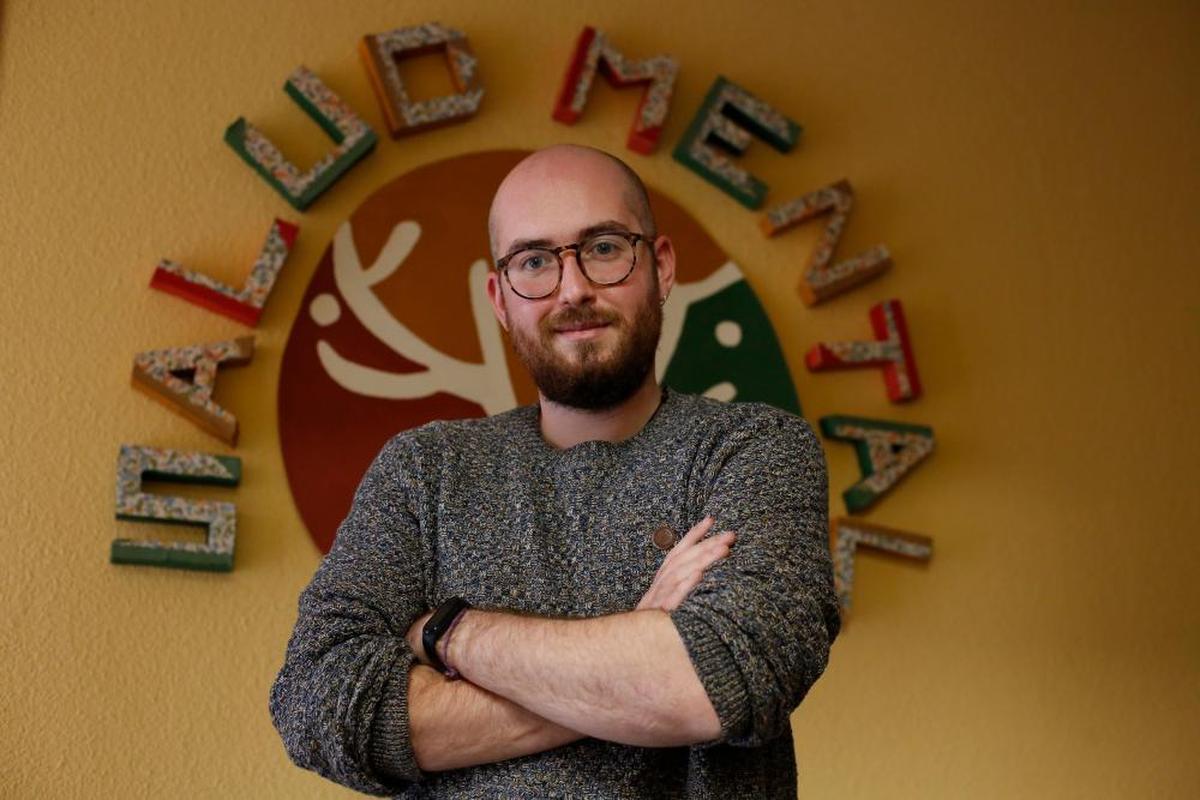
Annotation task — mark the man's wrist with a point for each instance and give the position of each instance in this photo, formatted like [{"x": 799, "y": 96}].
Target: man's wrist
[
  {"x": 439, "y": 624},
  {"x": 456, "y": 650}
]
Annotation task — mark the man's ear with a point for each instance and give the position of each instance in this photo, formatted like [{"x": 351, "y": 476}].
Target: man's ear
[
  {"x": 495, "y": 294},
  {"x": 664, "y": 262}
]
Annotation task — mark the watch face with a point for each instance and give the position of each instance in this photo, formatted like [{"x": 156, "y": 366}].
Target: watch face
[
  {"x": 445, "y": 613},
  {"x": 436, "y": 627}
]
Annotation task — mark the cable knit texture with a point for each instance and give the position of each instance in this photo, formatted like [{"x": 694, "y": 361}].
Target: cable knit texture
[{"x": 487, "y": 510}]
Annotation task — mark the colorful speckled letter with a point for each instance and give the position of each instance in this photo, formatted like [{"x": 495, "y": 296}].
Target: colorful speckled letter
[
  {"x": 822, "y": 280},
  {"x": 723, "y": 125},
  {"x": 381, "y": 54},
  {"x": 891, "y": 349},
  {"x": 353, "y": 139},
  {"x": 887, "y": 451},
  {"x": 136, "y": 463},
  {"x": 848, "y": 535},
  {"x": 595, "y": 51},
  {"x": 244, "y": 305}
]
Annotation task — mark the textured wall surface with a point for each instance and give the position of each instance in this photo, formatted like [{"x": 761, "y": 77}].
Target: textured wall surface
[{"x": 1034, "y": 168}]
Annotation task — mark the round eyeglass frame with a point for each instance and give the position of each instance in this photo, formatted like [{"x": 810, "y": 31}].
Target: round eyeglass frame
[{"x": 630, "y": 236}]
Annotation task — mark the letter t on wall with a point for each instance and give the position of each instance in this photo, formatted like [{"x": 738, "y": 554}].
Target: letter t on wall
[
  {"x": 892, "y": 349},
  {"x": 724, "y": 123}
]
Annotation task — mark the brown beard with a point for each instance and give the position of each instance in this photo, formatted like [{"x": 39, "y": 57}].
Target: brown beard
[{"x": 592, "y": 383}]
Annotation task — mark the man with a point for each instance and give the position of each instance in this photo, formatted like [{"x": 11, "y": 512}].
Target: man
[{"x": 507, "y": 611}]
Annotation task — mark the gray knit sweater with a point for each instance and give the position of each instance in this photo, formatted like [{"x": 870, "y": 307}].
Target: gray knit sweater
[{"x": 485, "y": 509}]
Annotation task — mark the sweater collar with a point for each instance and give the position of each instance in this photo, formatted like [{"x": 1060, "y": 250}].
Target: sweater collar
[{"x": 650, "y": 433}]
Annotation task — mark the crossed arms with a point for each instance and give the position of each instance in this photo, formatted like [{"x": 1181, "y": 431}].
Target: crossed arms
[
  {"x": 533, "y": 683},
  {"x": 721, "y": 649}
]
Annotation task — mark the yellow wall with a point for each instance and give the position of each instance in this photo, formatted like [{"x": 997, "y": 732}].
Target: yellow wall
[{"x": 1034, "y": 168}]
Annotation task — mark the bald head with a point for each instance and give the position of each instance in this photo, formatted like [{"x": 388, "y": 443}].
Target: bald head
[{"x": 586, "y": 166}]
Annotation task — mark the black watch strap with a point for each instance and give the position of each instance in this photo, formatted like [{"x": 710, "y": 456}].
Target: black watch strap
[{"x": 437, "y": 626}]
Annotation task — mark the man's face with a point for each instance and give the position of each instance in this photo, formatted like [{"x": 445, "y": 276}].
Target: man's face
[
  {"x": 585, "y": 346},
  {"x": 589, "y": 357}
]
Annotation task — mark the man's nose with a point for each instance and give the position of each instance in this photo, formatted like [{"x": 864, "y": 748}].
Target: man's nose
[{"x": 575, "y": 287}]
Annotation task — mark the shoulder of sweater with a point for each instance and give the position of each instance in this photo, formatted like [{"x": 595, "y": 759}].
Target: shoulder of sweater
[{"x": 747, "y": 418}]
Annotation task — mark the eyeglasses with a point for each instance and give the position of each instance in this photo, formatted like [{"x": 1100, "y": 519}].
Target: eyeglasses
[{"x": 605, "y": 259}]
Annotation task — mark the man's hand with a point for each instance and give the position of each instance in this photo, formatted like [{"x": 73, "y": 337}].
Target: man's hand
[{"x": 684, "y": 566}]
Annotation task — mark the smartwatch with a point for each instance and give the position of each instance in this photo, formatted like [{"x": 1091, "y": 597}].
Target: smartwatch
[{"x": 439, "y": 625}]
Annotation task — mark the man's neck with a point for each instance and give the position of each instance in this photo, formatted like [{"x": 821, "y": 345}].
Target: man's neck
[{"x": 564, "y": 426}]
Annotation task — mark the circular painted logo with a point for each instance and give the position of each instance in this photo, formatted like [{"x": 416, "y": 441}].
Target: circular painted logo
[{"x": 395, "y": 330}]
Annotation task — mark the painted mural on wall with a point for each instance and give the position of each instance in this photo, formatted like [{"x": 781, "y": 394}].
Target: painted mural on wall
[{"x": 395, "y": 330}]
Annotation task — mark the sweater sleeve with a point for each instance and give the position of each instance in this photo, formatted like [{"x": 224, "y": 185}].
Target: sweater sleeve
[
  {"x": 759, "y": 625},
  {"x": 340, "y": 701}
]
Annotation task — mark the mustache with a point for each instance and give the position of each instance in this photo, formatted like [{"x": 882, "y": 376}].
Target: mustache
[{"x": 581, "y": 316}]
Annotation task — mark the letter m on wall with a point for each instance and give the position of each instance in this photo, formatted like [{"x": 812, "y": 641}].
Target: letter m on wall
[{"x": 592, "y": 51}]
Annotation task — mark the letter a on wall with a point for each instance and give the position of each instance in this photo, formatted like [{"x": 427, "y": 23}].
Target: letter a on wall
[
  {"x": 381, "y": 53},
  {"x": 723, "y": 125},
  {"x": 161, "y": 373},
  {"x": 594, "y": 50},
  {"x": 136, "y": 463},
  {"x": 353, "y": 139},
  {"x": 887, "y": 451}
]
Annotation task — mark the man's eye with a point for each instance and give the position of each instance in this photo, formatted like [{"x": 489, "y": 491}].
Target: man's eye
[
  {"x": 603, "y": 248},
  {"x": 532, "y": 261}
]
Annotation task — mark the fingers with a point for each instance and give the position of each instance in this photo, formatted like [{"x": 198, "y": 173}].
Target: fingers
[
  {"x": 691, "y": 565},
  {"x": 707, "y": 551},
  {"x": 692, "y": 539},
  {"x": 696, "y": 533},
  {"x": 684, "y": 567}
]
